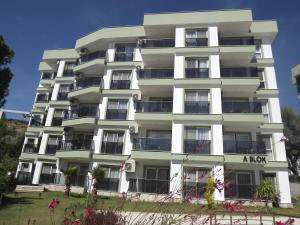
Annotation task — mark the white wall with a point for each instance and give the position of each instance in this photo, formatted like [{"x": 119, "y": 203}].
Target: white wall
[
  {"x": 37, "y": 172},
  {"x": 177, "y": 137},
  {"x": 284, "y": 187},
  {"x": 214, "y": 66},
  {"x": 43, "y": 143},
  {"x": 179, "y": 37},
  {"x": 218, "y": 172},
  {"x": 49, "y": 117},
  {"x": 178, "y": 100},
  {"x": 217, "y": 139},
  {"x": 213, "y": 39},
  {"x": 107, "y": 79},
  {"x": 267, "y": 50},
  {"x": 179, "y": 65},
  {"x": 134, "y": 80},
  {"x": 215, "y": 101},
  {"x": 55, "y": 92},
  {"x": 127, "y": 144},
  {"x": 176, "y": 180},
  {"x": 278, "y": 147},
  {"x": 98, "y": 139},
  {"x": 111, "y": 52},
  {"x": 102, "y": 107},
  {"x": 270, "y": 77},
  {"x": 275, "y": 112},
  {"x": 60, "y": 69}
]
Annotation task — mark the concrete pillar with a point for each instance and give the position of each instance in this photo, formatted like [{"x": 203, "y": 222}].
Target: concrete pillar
[
  {"x": 111, "y": 52},
  {"x": 214, "y": 65},
  {"x": 217, "y": 139},
  {"x": 37, "y": 172},
  {"x": 275, "y": 110},
  {"x": 278, "y": 147},
  {"x": 107, "y": 79},
  {"x": 284, "y": 188},
  {"x": 49, "y": 117},
  {"x": 60, "y": 69},
  {"x": 97, "y": 140},
  {"x": 177, "y": 138},
  {"x": 215, "y": 101},
  {"x": 176, "y": 179},
  {"x": 178, "y": 100},
  {"x": 127, "y": 143},
  {"x": 213, "y": 38},
  {"x": 179, "y": 65},
  {"x": 218, "y": 172},
  {"x": 44, "y": 142},
  {"x": 179, "y": 37}
]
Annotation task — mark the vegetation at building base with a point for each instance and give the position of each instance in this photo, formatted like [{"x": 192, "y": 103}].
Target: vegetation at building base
[
  {"x": 98, "y": 174},
  {"x": 291, "y": 120},
  {"x": 266, "y": 191},
  {"x": 69, "y": 174},
  {"x": 209, "y": 193}
]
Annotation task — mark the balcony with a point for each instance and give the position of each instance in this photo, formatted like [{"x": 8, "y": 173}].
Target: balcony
[
  {"x": 108, "y": 184},
  {"x": 51, "y": 149},
  {"x": 30, "y": 148},
  {"x": 193, "y": 189},
  {"x": 241, "y": 107},
  {"x": 239, "y": 72},
  {"x": 56, "y": 121},
  {"x": 47, "y": 76},
  {"x": 68, "y": 73},
  {"x": 244, "y": 147},
  {"x": 36, "y": 123},
  {"x": 196, "y": 73},
  {"x": 196, "y": 107},
  {"x": 157, "y": 43},
  {"x": 241, "y": 191},
  {"x": 24, "y": 178},
  {"x": 156, "y": 74},
  {"x": 154, "y": 106},
  {"x": 123, "y": 56},
  {"x": 236, "y": 41},
  {"x": 77, "y": 144},
  {"x": 116, "y": 114},
  {"x": 83, "y": 117},
  {"x": 41, "y": 98},
  {"x": 197, "y": 147},
  {"x": 62, "y": 96},
  {"x": 92, "y": 56},
  {"x": 152, "y": 144},
  {"x": 196, "y": 42},
  {"x": 112, "y": 148},
  {"x": 120, "y": 84},
  {"x": 149, "y": 186}
]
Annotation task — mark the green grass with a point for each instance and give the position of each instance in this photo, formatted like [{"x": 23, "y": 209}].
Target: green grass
[{"x": 17, "y": 210}]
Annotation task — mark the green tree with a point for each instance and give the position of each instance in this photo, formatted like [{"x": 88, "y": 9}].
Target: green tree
[
  {"x": 6, "y": 55},
  {"x": 98, "y": 174},
  {"x": 266, "y": 191},
  {"x": 291, "y": 120},
  {"x": 69, "y": 174},
  {"x": 209, "y": 192}
]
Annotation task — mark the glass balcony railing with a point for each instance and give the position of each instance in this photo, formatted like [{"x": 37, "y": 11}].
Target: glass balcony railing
[
  {"x": 120, "y": 84},
  {"x": 43, "y": 98},
  {"x": 86, "y": 83},
  {"x": 51, "y": 149},
  {"x": 62, "y": 96},
  {"x": 196, "y": 107},
  {"x": 80, "y": 180},
  {"x": 152, "y": 144},
  {"x": 155, "y": 73},
  {"x": 241, "y": 107},
  {"x": 36, "y": 123},
  {"x": 92, "y": 56},
  {"x": 108, "y": 184},
  {"x": 112, "y": 148},
  {"x": 196, "y": 72},
  {"x": 68, "y": 73},
  {"x": 116, "y": 114},
  {"x": 196, "y": 146},
  {"x": 47, "y": 76},
  {"x": 236, "y": 41},
  {"x": 47, "y": 178},
  {"x": 30, "y": 148},
  {"x": 244, "y": 147},
  {"x": 82, "y": 111},
  {"x": 56, "y": 121},
  {"x": 157, "y": 43},
  {"x": 239, "y": 72},
  {"x": 149, "y": 186},
  {"x": 123, "y": 56},
  {"x": 77, "y": 144},
  {"x": 154, "y": 106},
  {"x": 196, "y": 42}
]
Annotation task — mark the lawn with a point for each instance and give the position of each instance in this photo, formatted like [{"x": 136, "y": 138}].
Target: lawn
[{"x": 18, "y": 210}]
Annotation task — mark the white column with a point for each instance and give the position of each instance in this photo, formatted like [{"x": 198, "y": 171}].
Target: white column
[
  {"x": 176, "y": 180},
  {"x": 37, "y": 172},
  {"x": 102, "y": 107},
  {"x": 55, "y": 91},
  {"x": 131, "y": 110},
  {"x": 127, "y": 144},
  {"x": 275, "y": 110},
  {"x": 43, "y": 145},
  {"x": 213, "y": 39},
  {"x": 134, "y": 80},
  {"x": 97, "y": 140},
  {"x": 219, "y": 193},
  {"x": 60, "y": 69},
  {"x": 124, "y": 182},
  {"x": 137, "y": 55},
  {"x": 217, "y": 139},
  {"x": 284, "y": 188},
  {"x": 111, "y": 52},
  {"x": 278, "y": 147},
  {"x": 270, "y": 77},
  {"x": 179, "y": 62},
  {"x": 215, "y": 101},
  {"x": 179, "y": 37},
  {"x": 178, "y": 100},
  {"x": 214, "y": 65},
  {"x": 49, "y": 117},
  {"x": 107, "y": 79},
  {"x": 267, "y": 50},
  {"x": 177, "y": 138}
]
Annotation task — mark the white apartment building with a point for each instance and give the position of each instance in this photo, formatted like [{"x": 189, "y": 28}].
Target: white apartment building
[{"x": 162, "y": 107}]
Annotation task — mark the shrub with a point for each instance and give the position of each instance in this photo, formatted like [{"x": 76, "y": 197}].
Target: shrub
[
  {"x": 69, "y": 174},
  {"x": 209, "y": 193},
  {"x": 98, "y": 174},
  {"x": 266, "y": 191}
]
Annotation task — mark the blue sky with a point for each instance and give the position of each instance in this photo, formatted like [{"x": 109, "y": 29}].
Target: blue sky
[{"x": 34, "y": 25}]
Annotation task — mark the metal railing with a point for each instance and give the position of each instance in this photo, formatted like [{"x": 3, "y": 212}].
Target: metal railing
[
  {"x": 123, "y": 56},
  {"x": 197, "y": 146},
  {"x": 120, "y": 84},
  {"x": 155, "y": 73},
  {"x": 82, "y": 111},
  {"x": 196, "y": 72},
  {"x": 242, "y": 191},
  {"x": 42, "y": 98},
  {"x": 149, "y": 186},
  {"x": 108, "y": 184},
  {"x": 236, "y": 41},
  {"x": 62, "y": 96},
  {"x": 157, "y": 43},
  {"x": 244, "y": 147},
  {"x": 152, "y": 144},
  {"x": 154, "y": 106},
  {"x": 77, "y": 144},
  {"x": 239, "y": 72},
  {"x": 47, "y": 178},
  {"x": 194, "y": 42},
  {"x": 24, "y": 178},
  {"x": 56, "y": 121},
  {"x": 193, "y": 189},
  {"x": 68, "y": 73},
  {"x": 112, "y": 147},
  {"x": 196, "y": 107},
  {"x": 241, "y": 107},
  {"x": 86, "y": 83},
  {"x": 116, "y": 114},
  {"x": 92, "y": 56},
  {"x": 51, "y": 149},
  {"x": 47, "y": 76},
  {"x": 30, "y": 148}
]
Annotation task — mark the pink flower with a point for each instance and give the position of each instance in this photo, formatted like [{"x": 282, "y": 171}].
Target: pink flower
[
  {"x": 230, "y": 206},
  {"x": 279, "y": 223},
  {"x": 53, "y": 203},
  {"x": 76, "y": 222},
  {"x": 90, "y": 212}
]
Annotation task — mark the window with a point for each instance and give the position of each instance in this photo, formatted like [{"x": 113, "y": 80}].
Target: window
[
  {"x": 117, "y": 109},
  {"x": 196, "y": 101},
  {"x": 112, "y": 142},
  {"x": 265, "y": 111},
  {"x": 197, "y": 140},
  {"x": 196, "y": 37},
  {"x": 68, "y": 69},
  {"x": 57, "y": 117},
  {"x": 53, "y": 144},
  {"x": 121, "y": 80},
  {"x": 112, "y": 172},
  {"x": 124, "y": 52},
  {"x": 196, "y": 68},
  {"x": 48, "y": 168},
  {"x": 265, "y": 142},
  {"x": 63, "y": 92},
  {"x": 25, "y": 167}
]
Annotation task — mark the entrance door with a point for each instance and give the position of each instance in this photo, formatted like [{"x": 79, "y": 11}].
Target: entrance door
[
  {"x": 156, "y": 180},
  {"x": 244, "y": 185}
]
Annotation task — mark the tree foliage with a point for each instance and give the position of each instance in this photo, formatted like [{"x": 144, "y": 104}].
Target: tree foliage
[
  {"x": 69, "y": 174},
  {"x": 291, "y": 120},
  {"x": 6, "y": 55},
  {"x": 98, "y": 174},
  {"x": 266, "y": 191},
  {"x": 209, "y": 192}
]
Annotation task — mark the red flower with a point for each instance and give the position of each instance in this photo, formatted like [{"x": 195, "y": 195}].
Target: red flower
[
  {"x": 76, "y": 222},
  {"x": 90, "y": 212},
  {"x": 53, "y": 203},
  {"x": 230, "y": 206},
  {"x": 279, "y": 223}
]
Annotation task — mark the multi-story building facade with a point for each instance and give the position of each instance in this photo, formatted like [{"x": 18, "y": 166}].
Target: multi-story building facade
[
  {"x": 296, "y": 77},
  {"x": 162, "y": 107}
]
